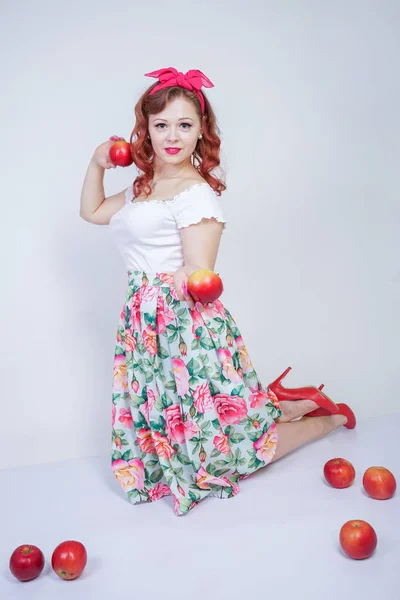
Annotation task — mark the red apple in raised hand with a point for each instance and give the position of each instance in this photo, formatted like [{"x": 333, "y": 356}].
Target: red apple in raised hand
[
  {"x": 69, "y": 559},
  {"x": 205, "y": 286},
  {"x": 339, "y": 472},
  {"x": 379, "y": 483},
  {"x": 26, "y": 562},
  {"x": 358, "y": 539},
  {"x": 120, "y": 152}
]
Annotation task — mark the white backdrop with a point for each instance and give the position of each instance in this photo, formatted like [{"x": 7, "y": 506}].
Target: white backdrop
[{"x": 306, "y": 95}]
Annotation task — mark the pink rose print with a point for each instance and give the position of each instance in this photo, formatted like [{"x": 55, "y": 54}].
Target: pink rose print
[
  {"x": 135, "y": 385},
  {"x": 160, "y": 490},
  {"x": 224, "y": 355},
  {"x": 125, "y": 417},
  {"x": 216, "y": 311},
  {"x": 228, "y": 369},
  {"x": 177, "y": 505},
  {"x": 221, "y": 443},
  {"x": 181, "y": 376},
  {"x": 178, "y": 430},
  {"x": 197, "y": 319},
  {"x": 120, "y": 378},
  {"x": 164, "y": 317},
  {"x": 229, "y": 339},
  {"x": 150, "y": 340},
  {"x": 163, "y": 447},
  {"x": 145, "y": 440},
  {"x": 174, "y": 424},
  {"x": 151, "y": 399},
  {"x": 130, "y": 474},
  {"x": 113, "y": 414},
  {"x": 235, "y": 488},
  {"x": 266, "y": 445},
  {"x": 230, "y": 409},
  {"x": 174, "y": 294},
  {"x": 202, "y": 398},
  {"x": 135, "y": 312},
  {"x": 190, "y": 429},
  {"x": 273, "y": 398},
  {"x": 203, "y": 479},
  {"x": 147, "y": 293},
  {"x": 244, "y": 355},
  {"x": 130, "y": 342},
  {"x": 166, "y": 278},
  {"x": 258, "y": 398}
]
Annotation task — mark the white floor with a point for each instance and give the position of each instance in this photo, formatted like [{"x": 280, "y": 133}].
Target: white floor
[{"x": 277, "y": 539}]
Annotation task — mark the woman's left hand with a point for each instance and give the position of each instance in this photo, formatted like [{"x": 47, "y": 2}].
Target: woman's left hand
[{"x": 181, "y": 277}]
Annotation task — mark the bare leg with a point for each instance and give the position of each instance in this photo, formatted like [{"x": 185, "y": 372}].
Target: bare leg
[{"x": 296, "y": 434}]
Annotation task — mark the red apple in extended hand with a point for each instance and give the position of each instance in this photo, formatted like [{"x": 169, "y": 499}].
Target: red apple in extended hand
[
  {"x": 120, "y": 152},
  {"x": 358, "y": 539},
  {"x": 205, "y": 286},
  {"x": 69, "y": 559},
  {"x": 339, "y": 472},
  {"x": 379, "y": 483},
  {"x": 26, "y": 562}
]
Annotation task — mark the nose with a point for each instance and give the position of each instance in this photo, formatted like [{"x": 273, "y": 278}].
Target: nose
[{"x": 172, "y": 134}]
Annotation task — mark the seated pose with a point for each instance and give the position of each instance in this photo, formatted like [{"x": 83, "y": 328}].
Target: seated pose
[{"x": 190, "y": 417}]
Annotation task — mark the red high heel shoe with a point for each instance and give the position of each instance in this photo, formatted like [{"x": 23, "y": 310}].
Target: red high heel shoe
[
  {"x": 304, "y": 393},
  {"x": 343, "y": 410}
]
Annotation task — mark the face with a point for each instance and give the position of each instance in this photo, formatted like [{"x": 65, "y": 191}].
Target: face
[{"x": 177, "y": 126}]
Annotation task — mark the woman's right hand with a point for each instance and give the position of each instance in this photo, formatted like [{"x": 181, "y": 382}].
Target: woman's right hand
[{"x": 101, "y": 156}]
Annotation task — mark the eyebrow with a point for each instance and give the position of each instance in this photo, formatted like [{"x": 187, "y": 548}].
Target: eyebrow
[{"x": 183, "y": 119}]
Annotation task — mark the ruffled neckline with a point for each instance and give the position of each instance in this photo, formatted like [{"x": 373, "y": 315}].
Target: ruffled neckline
[{"x": 134, "y": 202}]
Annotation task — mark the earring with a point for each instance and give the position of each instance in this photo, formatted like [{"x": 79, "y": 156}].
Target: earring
[{"x": 201, "y": 136}]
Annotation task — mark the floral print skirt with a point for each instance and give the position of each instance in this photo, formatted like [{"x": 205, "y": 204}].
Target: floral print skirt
[{"x": 189, "y": 415}]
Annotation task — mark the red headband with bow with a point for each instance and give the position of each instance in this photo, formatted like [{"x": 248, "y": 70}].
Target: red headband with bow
[{"x": 192, "y": 80}]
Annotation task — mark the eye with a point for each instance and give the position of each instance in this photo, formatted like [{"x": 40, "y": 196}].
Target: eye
[{"x": 188, "y": 124}]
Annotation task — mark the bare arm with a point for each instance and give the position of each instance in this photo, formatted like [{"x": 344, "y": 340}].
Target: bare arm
[
  {"x": 201, "y": 243},
  {"x": 94, "y": 207},
  {"x": 200, "y": 249}
]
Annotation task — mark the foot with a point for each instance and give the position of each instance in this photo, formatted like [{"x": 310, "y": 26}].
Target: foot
[
  {"x": 344, "y": 411},
  {"x": 293, "y": 409}
]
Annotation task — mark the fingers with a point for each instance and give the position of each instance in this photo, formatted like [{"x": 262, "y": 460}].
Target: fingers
[
  {"x": 111, "y": 142},
  {"x": 202, "y": 307},
  {"x": 188, "y": 298}
]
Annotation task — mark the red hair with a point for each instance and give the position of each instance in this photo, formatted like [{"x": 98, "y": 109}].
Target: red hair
[{"x": 207, "y": 149}]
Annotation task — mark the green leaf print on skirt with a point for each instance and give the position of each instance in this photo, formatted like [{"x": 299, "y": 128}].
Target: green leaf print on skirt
[{"x": 189, "y": 415}]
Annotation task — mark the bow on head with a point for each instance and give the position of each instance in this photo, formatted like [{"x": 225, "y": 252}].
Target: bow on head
[{"x": 192, "y": 80}]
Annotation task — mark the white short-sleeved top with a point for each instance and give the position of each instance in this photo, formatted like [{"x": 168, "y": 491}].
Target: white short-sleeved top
[{"x": 147, "y": 231}]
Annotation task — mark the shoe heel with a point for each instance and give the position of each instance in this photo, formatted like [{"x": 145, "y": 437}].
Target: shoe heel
[{"x": 279, "y": 379}]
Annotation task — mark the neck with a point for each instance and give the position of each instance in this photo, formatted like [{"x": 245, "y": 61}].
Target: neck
[{"x": 165, "y": 171}]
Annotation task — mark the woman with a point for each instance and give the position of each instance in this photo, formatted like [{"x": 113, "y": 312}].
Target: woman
[{"x": 190, "y": 416}]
